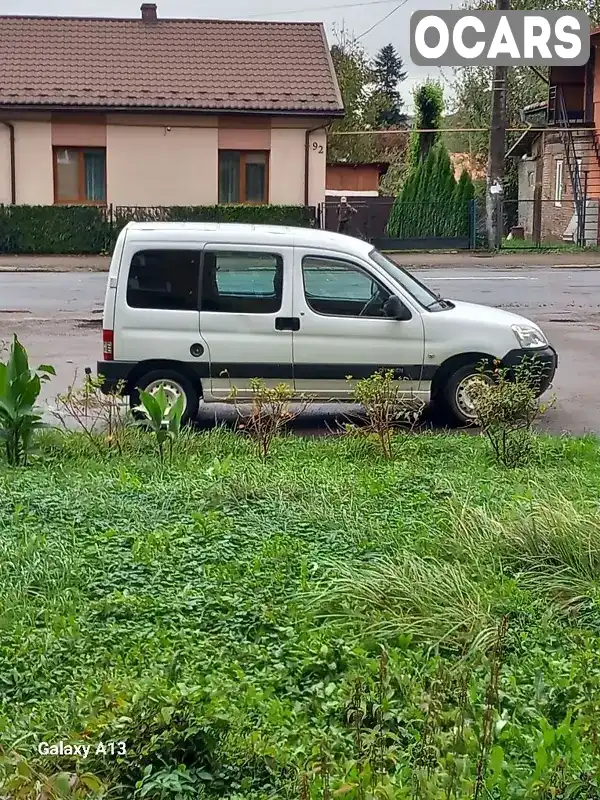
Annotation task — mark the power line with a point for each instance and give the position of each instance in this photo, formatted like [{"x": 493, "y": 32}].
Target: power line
[
  {"x": 320, "y": 8},
  {"x": 387, "y": 16}
]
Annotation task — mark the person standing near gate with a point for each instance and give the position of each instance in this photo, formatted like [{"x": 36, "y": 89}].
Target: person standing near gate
[{"x": 345, "y": 212}]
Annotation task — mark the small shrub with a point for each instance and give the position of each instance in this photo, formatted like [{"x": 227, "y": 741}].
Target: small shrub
[
  {"x": 162, "y": 419},
  {"x": 270, "y": 412},
  {"x": 507, "y": 407},
  {"x": 22, "y": 780},
  {"x": 19, "y": 391},
  {"x": 102, "y": 417},
  {"x": 387, "y": 407}
]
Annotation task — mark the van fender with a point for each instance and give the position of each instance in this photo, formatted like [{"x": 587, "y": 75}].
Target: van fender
[
  {"x": 452, "y": 364},
  {"x": 151, "y": 365}
]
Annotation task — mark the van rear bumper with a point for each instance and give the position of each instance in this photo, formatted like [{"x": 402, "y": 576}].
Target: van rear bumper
[
  {"x": 547, "y": 358},
  {"x": 114, "y": 375}
]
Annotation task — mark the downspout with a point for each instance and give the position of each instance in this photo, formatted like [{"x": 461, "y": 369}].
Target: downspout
[
  {"x": 13, "y": 175},
  {"x": 307, "y": 160}
]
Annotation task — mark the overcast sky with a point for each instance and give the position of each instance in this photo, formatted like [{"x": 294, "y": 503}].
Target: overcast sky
[{"x": 357, "y": 16}]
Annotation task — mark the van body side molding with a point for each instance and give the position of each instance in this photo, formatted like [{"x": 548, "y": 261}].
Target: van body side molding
[{"x": 115, "y": 371}]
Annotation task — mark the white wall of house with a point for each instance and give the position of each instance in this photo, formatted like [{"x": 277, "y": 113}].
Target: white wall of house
[
  {"x": 318, "y": 167},
  {"x": 158, "y": 161},
  {"x": 5, "y": 190},
  {"x": 527, "y": 171},
  {"x": 155, "y": 166},
  {"x": 33, "y": 163},
  {"x": 287, "y": 166}
]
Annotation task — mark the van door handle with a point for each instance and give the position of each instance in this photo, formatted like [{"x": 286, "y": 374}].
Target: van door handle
[{"x": 287, "y": 324}]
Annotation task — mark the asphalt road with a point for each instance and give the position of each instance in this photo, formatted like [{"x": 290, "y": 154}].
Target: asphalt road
[{"x": 58, "y": 318}]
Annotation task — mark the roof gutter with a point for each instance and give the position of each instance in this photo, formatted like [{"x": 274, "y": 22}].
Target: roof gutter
[
  {"x": 307, "y": 160},
  {"x": 179, "y": 110},
  {"x": 13, "y": 171}
]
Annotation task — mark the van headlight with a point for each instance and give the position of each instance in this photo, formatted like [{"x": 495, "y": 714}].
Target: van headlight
[{"x": 528, "y": 336}]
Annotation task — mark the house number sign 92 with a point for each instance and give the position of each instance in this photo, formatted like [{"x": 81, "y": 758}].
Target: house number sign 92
[{"x": 318, "y": 148}]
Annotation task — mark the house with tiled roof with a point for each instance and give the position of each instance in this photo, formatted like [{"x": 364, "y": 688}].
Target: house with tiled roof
[{"x": 160, "y": 112}]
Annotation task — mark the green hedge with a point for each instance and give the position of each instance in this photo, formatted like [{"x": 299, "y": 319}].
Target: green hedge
[
  {"x": 61, "y": 230},
  {"x": 80, "y": 230}
]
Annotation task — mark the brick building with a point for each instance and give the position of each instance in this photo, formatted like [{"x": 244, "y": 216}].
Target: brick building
[{"x": 559, "y": 157}]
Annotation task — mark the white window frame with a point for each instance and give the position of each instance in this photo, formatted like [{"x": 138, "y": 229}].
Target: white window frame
[{"x": 558, "y": 181}]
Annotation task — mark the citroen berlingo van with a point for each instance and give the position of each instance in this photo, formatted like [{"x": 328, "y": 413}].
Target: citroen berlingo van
[{"x": 199, "y": 308}]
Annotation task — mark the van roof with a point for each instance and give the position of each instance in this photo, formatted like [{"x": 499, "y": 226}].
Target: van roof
[{"x": 236, "y": 233}]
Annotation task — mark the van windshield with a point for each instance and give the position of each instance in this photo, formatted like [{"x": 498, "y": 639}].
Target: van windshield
[{"x": 426, "y": 297}]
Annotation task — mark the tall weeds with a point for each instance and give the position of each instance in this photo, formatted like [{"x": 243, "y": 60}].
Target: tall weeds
[{"x": 430, "y": 600}]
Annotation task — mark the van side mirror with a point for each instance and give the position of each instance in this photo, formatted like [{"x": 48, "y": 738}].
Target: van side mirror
[{"x": 394, "y": 308}]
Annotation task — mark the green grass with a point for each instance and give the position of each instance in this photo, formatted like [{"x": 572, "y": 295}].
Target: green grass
[
  {"x": 219, "y": 615},
  {"x": 547, "y": 247}
]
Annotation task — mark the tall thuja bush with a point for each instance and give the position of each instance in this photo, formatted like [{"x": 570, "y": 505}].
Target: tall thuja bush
[
  {"x": 431, "y": 202},
  {"x": 406, "y": 217},
  {"x": 464, "y": 194},
  {"x": 441, "y": 195}
]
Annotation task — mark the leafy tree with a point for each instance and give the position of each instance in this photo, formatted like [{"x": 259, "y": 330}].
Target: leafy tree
[
  {"x": 355, "y": 75},
  {"x": 388, "y": 70},
  {"x": 472, "y": 85},
  {"x": 363, "y": 108}
]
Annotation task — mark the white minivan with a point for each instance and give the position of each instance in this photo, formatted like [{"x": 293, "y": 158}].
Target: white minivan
[{"x": 199, "y": 308}]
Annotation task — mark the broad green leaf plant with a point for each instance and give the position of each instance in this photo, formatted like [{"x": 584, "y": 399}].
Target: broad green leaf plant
[
  {"x": 20, "y": 417},
  {"x": 162, "y": 418}
]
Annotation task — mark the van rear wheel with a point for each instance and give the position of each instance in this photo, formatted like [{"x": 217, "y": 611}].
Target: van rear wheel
[
  {"x": 455, "y": 397},
  {"x": 175, "y": 385}
]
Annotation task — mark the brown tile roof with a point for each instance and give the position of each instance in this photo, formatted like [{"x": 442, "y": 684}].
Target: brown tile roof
[{"x": 208, "y": 65}]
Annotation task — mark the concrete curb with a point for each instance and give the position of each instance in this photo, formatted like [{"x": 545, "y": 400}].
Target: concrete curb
[{"x": 49, "y": 270}]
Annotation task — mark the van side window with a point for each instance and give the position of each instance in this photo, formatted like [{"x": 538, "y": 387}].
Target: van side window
[
  {"x": 337, "y": 288},
  {"x": 242, "y": 283},
  {"x": 164, "y": 279}
]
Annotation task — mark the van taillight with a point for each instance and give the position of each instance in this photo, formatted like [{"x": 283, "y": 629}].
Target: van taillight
[{"x": 107, "y": 345}]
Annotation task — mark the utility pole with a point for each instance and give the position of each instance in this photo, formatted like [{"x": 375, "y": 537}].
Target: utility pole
[{"x": 495, "y": 177}]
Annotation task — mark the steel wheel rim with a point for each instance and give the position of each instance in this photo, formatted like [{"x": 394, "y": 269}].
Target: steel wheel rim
[
  {"x": 172, "y": 390},
  {"x": 464, "y": 401}
]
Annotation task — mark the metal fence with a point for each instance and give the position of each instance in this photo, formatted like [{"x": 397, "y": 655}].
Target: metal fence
[{"x": 416, "y": 225}]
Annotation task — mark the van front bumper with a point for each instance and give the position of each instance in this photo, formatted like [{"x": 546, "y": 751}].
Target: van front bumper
[{"x": 546, "y": 358}]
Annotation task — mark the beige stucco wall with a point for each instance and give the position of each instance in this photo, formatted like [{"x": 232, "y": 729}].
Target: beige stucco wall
[
  {"x": 286, "y": 170},
  {"x": 5, "y": 193},
  {"x": 147, "y": 166},
  {"x": 33, "y": 158},
  {"x": 318, "y": 167},
  {"x": 288, "y": 165}
]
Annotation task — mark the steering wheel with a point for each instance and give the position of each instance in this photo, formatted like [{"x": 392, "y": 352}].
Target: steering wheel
[{"x": 372, "y": 303}]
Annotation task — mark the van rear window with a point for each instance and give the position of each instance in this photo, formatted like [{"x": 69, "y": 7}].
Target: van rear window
[{"x": 164, "y": 279}]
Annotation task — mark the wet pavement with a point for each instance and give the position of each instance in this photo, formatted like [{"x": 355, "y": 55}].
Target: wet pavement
[{"x": 58, "y": 318}]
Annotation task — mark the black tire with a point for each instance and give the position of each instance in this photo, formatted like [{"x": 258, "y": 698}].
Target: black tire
[
  {"x": 448, "y": 400},
  {"x": 192, "y": 395}
]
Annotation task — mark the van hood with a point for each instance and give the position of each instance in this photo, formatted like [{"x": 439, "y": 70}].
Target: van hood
[{"x": 473, "y": 312}]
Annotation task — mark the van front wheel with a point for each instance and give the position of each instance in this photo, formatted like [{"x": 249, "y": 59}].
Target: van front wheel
[
  {"x": 456, "y": 398},
  {"x": 174, "y": 385}
]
